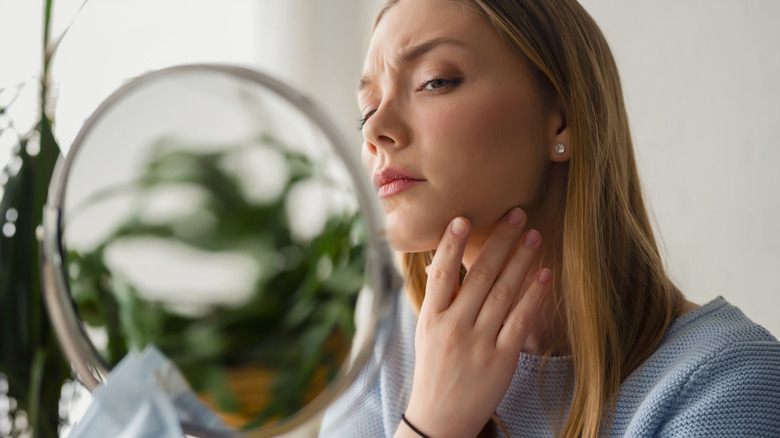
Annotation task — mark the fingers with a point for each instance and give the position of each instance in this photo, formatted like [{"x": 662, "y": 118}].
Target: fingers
[
  {"x": 444, "y": 271},
  {"x": 488, "y": 276},
  {"x": 523, "y": 316},
  {"x": 502, "y": 296}
]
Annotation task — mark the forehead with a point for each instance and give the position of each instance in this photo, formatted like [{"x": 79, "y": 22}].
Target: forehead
[{"x": 412, "y": 22}]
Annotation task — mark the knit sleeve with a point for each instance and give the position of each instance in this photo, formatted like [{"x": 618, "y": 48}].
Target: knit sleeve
[
  {"x": 372, "y": 406},
  {"x": 735, "y": 394}
]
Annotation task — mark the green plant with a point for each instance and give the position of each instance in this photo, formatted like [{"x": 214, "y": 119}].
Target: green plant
[
  {"x": 31, "y": 362},
  {"x": 291, "y": 334}
]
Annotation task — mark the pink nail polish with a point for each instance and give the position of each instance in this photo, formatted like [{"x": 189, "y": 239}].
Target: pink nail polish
[
  {"x": 515, "y": 216},
  {"x": 459, "y": 226},
  {"x": 545, "y": 276},
  {"x": 531, "y": 238}
]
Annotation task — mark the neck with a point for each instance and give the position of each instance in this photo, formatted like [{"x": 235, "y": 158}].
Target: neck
[{"x": 549, "y": 334}]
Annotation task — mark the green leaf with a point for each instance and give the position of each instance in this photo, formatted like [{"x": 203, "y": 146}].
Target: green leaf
[{"x": 30, "y": 357}]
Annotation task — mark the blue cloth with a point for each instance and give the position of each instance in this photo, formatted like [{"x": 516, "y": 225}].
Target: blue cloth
[{"x": 714, "y": 374}]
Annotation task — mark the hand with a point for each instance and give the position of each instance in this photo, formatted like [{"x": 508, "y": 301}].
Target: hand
[{"x": 468, "y": 340}]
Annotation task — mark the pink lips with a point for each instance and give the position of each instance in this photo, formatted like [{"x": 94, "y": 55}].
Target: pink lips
[{"x": 391, "y": 181}]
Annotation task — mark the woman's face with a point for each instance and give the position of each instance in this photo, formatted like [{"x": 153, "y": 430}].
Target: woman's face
[{"x": 454, "y": 124}]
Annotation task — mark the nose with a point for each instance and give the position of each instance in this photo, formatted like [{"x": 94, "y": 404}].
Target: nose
[{"x": 386, "y": 128}]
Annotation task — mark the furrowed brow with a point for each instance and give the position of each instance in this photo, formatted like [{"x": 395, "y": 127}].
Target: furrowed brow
[{"x": 411, "y": 54}]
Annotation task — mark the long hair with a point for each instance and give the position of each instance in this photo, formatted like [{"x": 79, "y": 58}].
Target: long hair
[{"x": 616, "y": 298}]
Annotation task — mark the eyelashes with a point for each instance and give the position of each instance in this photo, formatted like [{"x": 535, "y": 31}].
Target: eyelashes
[
  {"x": 362, "y": 120},
  {"x": 439, "y": 85},
  {"x": 434, "y": 86}
]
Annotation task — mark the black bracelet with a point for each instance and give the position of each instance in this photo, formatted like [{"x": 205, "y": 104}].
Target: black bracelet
[{"x": 416, "y": 430}]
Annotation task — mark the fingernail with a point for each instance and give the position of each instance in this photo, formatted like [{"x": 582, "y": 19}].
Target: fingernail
[
  {"x": 515, "y": 216},
  {"x": 545, "y": 276},
  {"x": 459, "y": 226},
  {"x": 531, "y": 238}
]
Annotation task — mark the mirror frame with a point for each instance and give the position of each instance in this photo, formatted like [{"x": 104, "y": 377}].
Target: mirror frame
[{"x": 385, "y": 280}]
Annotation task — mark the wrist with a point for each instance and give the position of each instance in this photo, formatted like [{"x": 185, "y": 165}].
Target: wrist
[
  {"x": 412, "y": 427},
  {"x": 414, "y": 424}
]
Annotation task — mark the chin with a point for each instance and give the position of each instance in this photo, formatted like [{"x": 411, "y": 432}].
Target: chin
[
  {"x": 411, "y": 239},
  {"x": 403, "y": 244}
]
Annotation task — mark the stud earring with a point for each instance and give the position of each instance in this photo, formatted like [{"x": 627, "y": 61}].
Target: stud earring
[{"x": 560, "y": 148}]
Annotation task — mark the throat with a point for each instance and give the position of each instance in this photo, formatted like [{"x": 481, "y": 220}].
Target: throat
[{"x": 548, "y": 336}]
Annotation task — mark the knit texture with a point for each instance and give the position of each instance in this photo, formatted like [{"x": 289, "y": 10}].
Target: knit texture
[{"x": 714, "y": 374}]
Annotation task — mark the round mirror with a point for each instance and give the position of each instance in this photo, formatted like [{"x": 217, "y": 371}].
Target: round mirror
[{"x": 214, "y": 213}]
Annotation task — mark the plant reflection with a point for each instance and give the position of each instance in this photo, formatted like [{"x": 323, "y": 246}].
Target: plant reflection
[{"x": 257, "y": 359}]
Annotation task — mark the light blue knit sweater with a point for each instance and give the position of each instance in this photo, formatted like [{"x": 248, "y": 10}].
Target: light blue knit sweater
[{"x": 715, "y": 374}]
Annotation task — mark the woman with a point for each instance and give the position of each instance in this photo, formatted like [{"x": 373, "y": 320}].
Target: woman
[{"x": 489, "y": 124}]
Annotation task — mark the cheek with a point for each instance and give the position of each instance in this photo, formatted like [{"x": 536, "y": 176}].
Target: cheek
[
  {"x": 484, "y": 119},
  {"x": 483, "y": 133},
  {"x": 494, "y": 149},
  {"x": 367, "y": 159}
]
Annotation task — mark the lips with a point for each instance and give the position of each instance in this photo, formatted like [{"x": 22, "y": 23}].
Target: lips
[{"x": 391, "y": 181}]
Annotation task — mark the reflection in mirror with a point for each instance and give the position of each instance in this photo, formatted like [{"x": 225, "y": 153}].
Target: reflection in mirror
[{"x": 206, "y": 215}]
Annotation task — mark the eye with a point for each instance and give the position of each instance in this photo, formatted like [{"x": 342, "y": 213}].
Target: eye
[
  {"x": 439, "y": 85},
  {"x": 362, "y": 121}
]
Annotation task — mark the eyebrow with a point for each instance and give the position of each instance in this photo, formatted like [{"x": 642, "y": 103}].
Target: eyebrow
[{"x": 411, "y": 54}]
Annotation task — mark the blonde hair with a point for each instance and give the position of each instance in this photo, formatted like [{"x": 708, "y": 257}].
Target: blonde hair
[{"x": 617, "y": 300}]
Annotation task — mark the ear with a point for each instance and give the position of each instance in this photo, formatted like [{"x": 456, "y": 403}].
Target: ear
[{"x": 560, "y": 141}]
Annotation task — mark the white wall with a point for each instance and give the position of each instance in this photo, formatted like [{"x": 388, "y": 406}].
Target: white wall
[
  {"x": 315, "y": 45},
  {"x": 322, "y": 53},
  {"x": 701, "y": 84}
]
